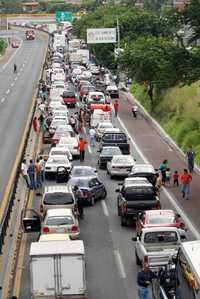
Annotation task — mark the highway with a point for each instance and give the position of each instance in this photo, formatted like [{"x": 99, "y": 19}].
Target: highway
[
  {"x": 16, "y": 92},
  {"x": 110, "y": 260}
]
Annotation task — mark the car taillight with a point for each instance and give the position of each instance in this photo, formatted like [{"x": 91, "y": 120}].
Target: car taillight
[
  {"x": 81, "y": 93},
  {"x": 74, "y": 229},
  {"x": 41, "y": 209},
  {"x": 158, "y": 205},
  {"x": 124, "y": 207},
  {"x": 75, "y": 147},
  {"x": 146, "y": 260},
  {"x": 45, "y": 230},
  {"x": 182, "y": 225}
]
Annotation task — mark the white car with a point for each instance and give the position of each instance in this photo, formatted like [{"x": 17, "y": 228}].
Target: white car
[
  {"x": 100, "y": 129},
  {"x": 60, "y": 151},
  {"x": 120, "y": 165},
  {"x": 96, "y": 97},
  {"x": 61, "y": 221},
  {"x": 56, "y": 123},
  {"x": 71, "y": 143},
  {"x": 53, "y": 163}
]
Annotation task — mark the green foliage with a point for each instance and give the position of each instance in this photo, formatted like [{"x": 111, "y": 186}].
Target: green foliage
[
  {"x": 192, "y": 18},
  {"x": 3, "y": 46}
]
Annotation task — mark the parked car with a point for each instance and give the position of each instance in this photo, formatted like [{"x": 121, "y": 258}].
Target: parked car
[
  {"x": 136, "y": 195},
  {"x": 62, "y": 131},
  {"x": 60, "y": 151},
  {"x": 159, "y": 218},
  {"x": 71, "y": 143},
  {"x": 57, "y": 197},
  {"x": 54, "y": 162},
  {"x": 69, "y": 98},
  {"x": 113, "y": 91},
  {"x": 106, "y": 155},
  {"x": 100, "y": 129},
  {"x": 115, "y": 138},
  {"x": 120, "y": 165},
  {"x": 95, "y": 97},
  {"x": 55, "y": 124},
  {"x": 143, "y": 170},
  {"x": 61, "y": 221},
  {"x": 83, "y": 171},
  {"x": 91, "y": 187}
]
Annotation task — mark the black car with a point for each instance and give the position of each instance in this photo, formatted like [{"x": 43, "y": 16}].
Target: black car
[
  {"x": 116, "y": 139},
  {"x": 106, "y": 155},
  {"x": 91, "y": 187},
  {"x": 136, "y": 195}
]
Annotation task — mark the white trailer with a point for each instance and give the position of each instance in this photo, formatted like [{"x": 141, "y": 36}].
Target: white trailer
[{"x": 58, "y": 270}]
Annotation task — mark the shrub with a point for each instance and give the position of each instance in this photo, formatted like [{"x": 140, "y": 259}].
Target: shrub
[
  {"x": 191, "y": 138},
  {"x": 185, "y": 127}
]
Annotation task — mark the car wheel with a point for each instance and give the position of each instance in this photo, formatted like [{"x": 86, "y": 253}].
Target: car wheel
[
  {"x": 123, "y": 221},
  {"x": 104, "y": 194},
  {"x": 92, "y": 201},
  {"x": 138, "y": 261}
]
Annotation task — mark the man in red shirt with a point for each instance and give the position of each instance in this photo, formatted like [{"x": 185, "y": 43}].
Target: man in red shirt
[
  {"x": 116, "y": 107},
  {"x": 81, "y": 146},
  {"x": 186, "y": 179}
]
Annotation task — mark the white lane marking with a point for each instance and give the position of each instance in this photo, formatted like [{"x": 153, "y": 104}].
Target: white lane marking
[
  {"x": 21, "y": 69},
  {"x": 7, "y": 92},
  {"x": 119, "y": 263},
  {"x": 89, "y": 149},
  {"x": 12, "y": 84},
  {"x": 105, "y": 208},
  {"x": 2, "y": 100},
  {"x": 171, "y": 198},
  {"x": 14, "y": 54}
]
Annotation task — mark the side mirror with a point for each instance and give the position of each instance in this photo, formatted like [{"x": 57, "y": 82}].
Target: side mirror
[{"x": 117, "y": 190}]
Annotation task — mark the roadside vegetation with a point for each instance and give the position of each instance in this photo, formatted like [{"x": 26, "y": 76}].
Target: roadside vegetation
[{"x": 3, "y": 46}]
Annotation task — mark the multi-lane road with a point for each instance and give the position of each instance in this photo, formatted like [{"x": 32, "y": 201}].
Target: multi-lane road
[{"x": 16, "y": 92}]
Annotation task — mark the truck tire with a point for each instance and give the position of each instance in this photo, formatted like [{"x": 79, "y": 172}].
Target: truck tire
[
  {"x": 138, "y": 261},
  {"x": 123, "y": 221}
]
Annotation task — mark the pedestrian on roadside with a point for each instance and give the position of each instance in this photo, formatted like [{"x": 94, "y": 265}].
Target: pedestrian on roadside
[
  {"x": 79, "y": 200},
  {"x": 92, "y": 134},
  {"x": 42, "y": 164},
  {"x": 168, "y": 176},
  {"x": 175, "y": 178},
  {"x": 24, "y": 171},
  {"x": 81, "y": 146},
  {"x": 72, "y": 122},
  {"x": 116, "y": 107},
  {"x": 35, "y": 125},
  {"x": 158, "y": 182},
  {"x": 144, "y": 279},
  {"x": 135, "y": 111},
  {"x": 38, "y": 169},
  {"x": 163, "y": 168},
  {"x": 41, "y": 123},
  {"x": 31, "y": 174},
  {"x": 186, "y": 179},
  {"x": 190, "y": 156}
]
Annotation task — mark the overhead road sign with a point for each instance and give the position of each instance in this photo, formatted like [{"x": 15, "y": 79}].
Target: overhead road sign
[
  {"x": 101, "y": 35},
  {"x": 63, "y": 16}
]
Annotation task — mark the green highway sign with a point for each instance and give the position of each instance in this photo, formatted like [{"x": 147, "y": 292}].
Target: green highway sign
[{"x": 63, "y": 16}]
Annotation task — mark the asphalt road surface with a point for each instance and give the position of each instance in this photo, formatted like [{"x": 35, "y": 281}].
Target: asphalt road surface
[
  {"x": 16, "y": 92},
  {"x": 111, "y": 269}
]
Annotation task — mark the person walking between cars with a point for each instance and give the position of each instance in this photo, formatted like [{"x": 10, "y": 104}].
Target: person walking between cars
[
  {"x": 38, "y": 169},
  {"x": 35, "y": 125},
  {"x": 81, "y": 146},
  {"x": 79, "y": 200},
  {"x": 31, "y": 174},
  {"x": 186, "y": 179},
  {"x": 163, "y": 168},
  {"x": 24, "y": 171},
  {"x": 190, "y": 155},
  {"x": 144, "y": 279},
  {"x": 116, "y": 107},
  {"x": 92, "y": 134},
  {"x": 42, "y": 164}
]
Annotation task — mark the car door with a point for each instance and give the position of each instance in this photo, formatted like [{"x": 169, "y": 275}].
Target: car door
[
  {"x": 95, "y": 186},
  {"x": 30, "y": 221}
]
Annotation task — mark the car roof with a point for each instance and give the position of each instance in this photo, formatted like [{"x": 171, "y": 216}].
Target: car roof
[
  {"x": 112, "y": 130},
  {"x": 137, "y": 183},
  {"x": 136, "y": 180},
  {"x": 82, "y": 178},
  {"x": 82, "y": 167},
  {"x": 160, "y": 229},
  {"x": 148, "y": 168},
  {"x": 59, "y": 212},
  {"x": 57, "y": 188},
  {"x": 110, "y": 147}
]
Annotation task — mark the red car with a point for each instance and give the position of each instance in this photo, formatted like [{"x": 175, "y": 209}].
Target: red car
[
  {"x": 69, "y": 98},
  {"x": 159, "y": 218},
  {"x": 15, "y": 44}
]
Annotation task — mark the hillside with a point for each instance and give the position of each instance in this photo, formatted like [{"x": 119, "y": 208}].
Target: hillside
[{"x": 178, "y": 112}]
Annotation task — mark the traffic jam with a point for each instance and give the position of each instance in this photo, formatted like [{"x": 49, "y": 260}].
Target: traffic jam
[{"x": 84, "y": 149}]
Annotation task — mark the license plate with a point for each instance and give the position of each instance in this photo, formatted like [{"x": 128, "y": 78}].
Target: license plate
[{"x": 60, "y": 230}]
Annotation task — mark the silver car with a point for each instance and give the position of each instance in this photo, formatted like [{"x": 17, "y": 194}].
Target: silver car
[{"x": 120, "y": 165}]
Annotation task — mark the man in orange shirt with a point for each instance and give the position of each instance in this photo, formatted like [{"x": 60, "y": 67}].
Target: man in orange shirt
[
  {"x": 116, "y": 107},
  {"x": 186, "y": 179},
  {"x": 81, "y": 145}
]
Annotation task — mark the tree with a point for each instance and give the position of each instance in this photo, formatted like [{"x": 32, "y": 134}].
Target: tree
[{"x": 192, "y": 18}]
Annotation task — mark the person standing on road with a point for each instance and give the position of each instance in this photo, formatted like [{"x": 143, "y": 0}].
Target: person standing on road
[
  {"x": 144, "y": 279},
  {"x": 176, "y": 178},
  {"x": 24, "y": 171},
  {"x": 15, "y": 68},
  {"x": 163, "y": 168},
  {"x": 42, "y": 164},
  {"x": 31, "y": 174},
  {"x": 38, "y": 169},
  {"x": 190, "y": 155},
  {"x": 186, "y": 179},
  {"x": 81, "y": 146},
  {"x": 135, "y": 110},
  {"x": 116, "y": 107},
  {"x": 35, "y": 125},
  {"x": 79, "y": 199},
  {"x": 92, "y": 134},
  {"x": 42, "y": 123}
]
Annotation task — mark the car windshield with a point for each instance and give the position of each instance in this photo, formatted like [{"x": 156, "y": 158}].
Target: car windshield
[
  {"x": 82, "y": 172},
  {"x": 59, "y": 220},
  {"x": 111, "y": 151},
  {"x": 69, "y": 94},
  {"x": 160, "y": 237},
  {"x": 161, "y": 219},
  {"x": 58, "y": 153},
  {"x": 97, "y": 97},
  {"x": 134, "y": 193},
  {"x": 67, "y": 141},
  {"x": 78, "y": 182},
  {"x": 58, "y": 198}
]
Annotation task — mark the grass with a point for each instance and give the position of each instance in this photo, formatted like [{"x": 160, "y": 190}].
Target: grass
[{"x": 178, "y": 111}]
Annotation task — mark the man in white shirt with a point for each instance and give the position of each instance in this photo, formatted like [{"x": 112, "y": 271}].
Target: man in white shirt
[
  {"x": 42, "y": 164},
  {"x": 24, "y": 172},
  {"x": 92, "y": 134}
]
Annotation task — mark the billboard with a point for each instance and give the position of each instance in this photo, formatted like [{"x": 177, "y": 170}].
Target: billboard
[{"x": 101, "y": 35}]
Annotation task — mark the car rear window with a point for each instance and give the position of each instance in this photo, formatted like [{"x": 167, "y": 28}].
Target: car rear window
[
  {"x": 162, "y": 219},
  {"x": 114, "y": 137},
  {"x": 69, "y": 94},
  {"x": 79, "y": 182},
  {"x": 161, "y": 237},
  {"x": 138, "y": 193},
  {"x": 58, "y": 198},
  {"x": 59, "y": 220}
]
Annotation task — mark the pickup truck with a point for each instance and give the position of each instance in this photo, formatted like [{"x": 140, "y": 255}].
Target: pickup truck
[
  {"x": 116, "y": 139},
  {"x": 157, "y": 246}
]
